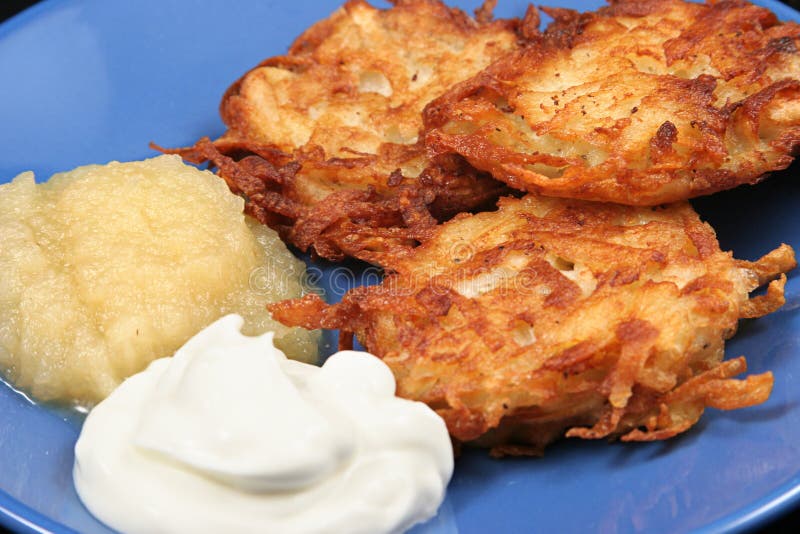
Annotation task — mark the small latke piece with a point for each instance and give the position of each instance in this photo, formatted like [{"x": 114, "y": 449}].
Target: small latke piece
[
  {"x": 554, "y": 317},
  {"x": 322, "y": 134},
  {"x": 639, "y": 103}
]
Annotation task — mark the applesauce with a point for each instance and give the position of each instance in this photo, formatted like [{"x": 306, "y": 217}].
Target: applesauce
[{"x": 108, "y": 267}]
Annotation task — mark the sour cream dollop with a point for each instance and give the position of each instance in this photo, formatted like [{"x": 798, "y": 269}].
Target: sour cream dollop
[{"x": 229, "y": 435}]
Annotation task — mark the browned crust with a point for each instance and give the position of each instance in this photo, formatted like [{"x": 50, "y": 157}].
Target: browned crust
[{"x": 348, "y": 222}]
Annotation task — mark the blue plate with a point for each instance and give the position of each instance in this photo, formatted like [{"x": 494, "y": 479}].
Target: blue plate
[{"x": 92, "y": 81}]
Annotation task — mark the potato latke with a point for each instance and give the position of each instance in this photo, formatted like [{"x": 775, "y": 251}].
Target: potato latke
[
  {"x": 558, "y": 317},
  {"x": 328, "y": 134},
  {"x": 638, "y": 103}
]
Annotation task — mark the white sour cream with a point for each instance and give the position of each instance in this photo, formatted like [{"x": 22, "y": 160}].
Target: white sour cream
[{"x": 231, "y": 436}]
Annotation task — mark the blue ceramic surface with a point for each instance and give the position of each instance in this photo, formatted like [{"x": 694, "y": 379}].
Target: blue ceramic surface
[{"x": 93, "y": 81}]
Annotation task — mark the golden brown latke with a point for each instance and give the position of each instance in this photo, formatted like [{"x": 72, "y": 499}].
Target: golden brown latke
[
  {"x": 640, "y": 103},
  {"x": 556, "y": 317},
  {"x": 342, "y": 109}
]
